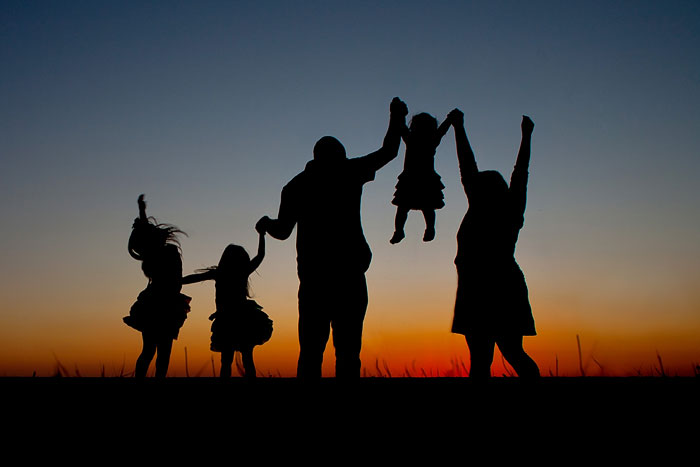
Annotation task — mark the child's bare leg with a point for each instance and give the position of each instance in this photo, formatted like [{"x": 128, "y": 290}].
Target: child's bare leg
[
  {"x": 399, "y": 222},
  {"x": 248, "y": 363},
  {"x": 429, "y": 215},
  {"x": 226, "y": 363},
  {"x": 146, "y": 356},
  {"x": 163, "y": 357}
]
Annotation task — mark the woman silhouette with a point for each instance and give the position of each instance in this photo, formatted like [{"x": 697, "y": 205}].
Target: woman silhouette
[
  {"x": 492, "y": 305},
  {"x": 160, "y": 310}
]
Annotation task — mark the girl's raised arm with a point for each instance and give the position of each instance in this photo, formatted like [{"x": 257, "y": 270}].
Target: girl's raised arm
[
  {"x": 404, "y": 133},
  {"x": 137, "y": 231},
  {"x": 255, "y": 262},
  {"x": 442, "y": 129},
  {"x": 142, "y": 208}
]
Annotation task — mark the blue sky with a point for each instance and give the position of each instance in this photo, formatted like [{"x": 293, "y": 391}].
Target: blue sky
[{"x": 211, "y": 107}]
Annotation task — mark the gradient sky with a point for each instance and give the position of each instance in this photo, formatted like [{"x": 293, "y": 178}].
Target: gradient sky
[{"x": 209, "y": 108}]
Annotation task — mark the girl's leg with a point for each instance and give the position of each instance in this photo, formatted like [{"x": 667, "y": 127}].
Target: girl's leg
[
  {"x": 429, "y": 215},
  {"x": 146, "y": 356},
  {"x": 481, "y": 355},
  {"x": 226, "y": 363},
  {"x": 399, "y": 222},
  {"x": 248, "y": 363},
  {"x": 512, "y": 349},
  {"x": 163, "y": 357}
]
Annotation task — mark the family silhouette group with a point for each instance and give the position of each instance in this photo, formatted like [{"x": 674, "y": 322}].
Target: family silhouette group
[{"x": 323, "y": 202}]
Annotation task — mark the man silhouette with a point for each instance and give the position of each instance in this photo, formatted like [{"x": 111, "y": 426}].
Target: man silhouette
[{"x": 324, "y": 202}]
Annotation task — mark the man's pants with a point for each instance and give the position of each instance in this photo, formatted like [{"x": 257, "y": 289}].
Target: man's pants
[{"x": 337, "y": 302}]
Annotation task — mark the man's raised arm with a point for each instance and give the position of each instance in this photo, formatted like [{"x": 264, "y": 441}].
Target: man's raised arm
[{"x": 392, "y": 139}]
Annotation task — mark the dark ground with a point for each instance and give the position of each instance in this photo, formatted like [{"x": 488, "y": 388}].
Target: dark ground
[{"x": 396, "y": 415}]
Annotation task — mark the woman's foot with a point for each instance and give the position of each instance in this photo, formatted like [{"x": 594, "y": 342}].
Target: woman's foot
[
  {"x": 398, "y": 236},
  {"x": 429, "y": 235}
]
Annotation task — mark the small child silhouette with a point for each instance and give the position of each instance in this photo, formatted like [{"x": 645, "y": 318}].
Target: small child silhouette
[
  {"x": 419, "y": 186},
  {"x": 239, "y": 324},
  {"x": 160, "y": 310}
]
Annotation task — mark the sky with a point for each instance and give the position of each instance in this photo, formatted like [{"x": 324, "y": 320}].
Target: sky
[{"x": 211, "y": 107}]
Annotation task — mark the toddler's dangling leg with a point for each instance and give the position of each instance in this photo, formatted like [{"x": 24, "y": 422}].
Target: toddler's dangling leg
[
  {"x": 429, "y": 215},
  {"x": 399, "y": 222}
]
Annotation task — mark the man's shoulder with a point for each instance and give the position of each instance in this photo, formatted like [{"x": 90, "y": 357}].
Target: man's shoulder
[
  {"x": 361, "y": 168},
  {"x": 296, "y": 182}
]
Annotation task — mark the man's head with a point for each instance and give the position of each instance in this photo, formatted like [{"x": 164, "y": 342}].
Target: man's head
[{"x": 329, "y": 150}]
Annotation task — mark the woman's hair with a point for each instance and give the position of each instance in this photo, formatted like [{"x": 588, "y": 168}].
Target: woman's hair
[
  {"x": 490, "y": 189},
  {"x": 423, "y": 122}
]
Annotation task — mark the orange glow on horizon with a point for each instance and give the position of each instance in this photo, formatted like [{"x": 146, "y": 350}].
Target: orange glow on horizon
[{"x": 424, "y": 349}]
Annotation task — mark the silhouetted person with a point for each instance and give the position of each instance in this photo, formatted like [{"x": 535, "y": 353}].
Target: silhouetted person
[
  {"x": 324, "y": 202},
  {"x": 160, "y": 310},
  {"x": 239, "y": 324},
  {"x": 492, "y": 305},
  {"x": 419, "y": 186}
]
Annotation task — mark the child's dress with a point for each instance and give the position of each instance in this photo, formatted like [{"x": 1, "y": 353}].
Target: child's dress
[
  {"x": 159, "y": 312},
  {"x": 238, "y": 324},
  {"x": 419, "y": 186},
  {"x": 160, "y": 309}
]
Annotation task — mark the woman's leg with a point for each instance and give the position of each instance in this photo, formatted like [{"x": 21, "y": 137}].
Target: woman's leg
[
  {"x": 512, "y": 349},
  {"x": 147, "y": 353},
  {"x": 399, "y": 222},
  {"x": 226, "y": 363},
  {"x": 429, "y": 215},
  {"x": 163, "y": 358},
  {"x": 248, "y": 363},
  {"x": 481, "y": 355}
]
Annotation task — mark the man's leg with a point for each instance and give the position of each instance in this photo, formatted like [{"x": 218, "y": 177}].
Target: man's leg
[
  {"x": 314, "y": 330},
  {"x": 348, "y": 320}
]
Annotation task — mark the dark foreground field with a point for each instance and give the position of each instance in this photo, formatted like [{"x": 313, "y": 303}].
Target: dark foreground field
[{"x": 657, "y": 414}]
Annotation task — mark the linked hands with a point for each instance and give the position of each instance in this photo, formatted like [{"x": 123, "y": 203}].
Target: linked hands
[
  {"x": 456, "y": 117},
  {"x": 398, "y": 108},
  {"x": 261, "y": 225}
]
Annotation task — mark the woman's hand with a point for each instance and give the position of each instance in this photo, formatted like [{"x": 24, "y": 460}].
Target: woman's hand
[{"x": 456, "y": 117}]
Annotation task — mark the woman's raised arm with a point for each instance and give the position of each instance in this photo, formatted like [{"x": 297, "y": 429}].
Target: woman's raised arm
[
  {"x": 518, "y": 179},
  {"x": 465, "y": 155}
]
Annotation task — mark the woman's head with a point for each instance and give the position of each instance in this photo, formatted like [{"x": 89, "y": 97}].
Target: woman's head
[
  {"x": 423, "y": 123},
  {"x": 490, "y": 189}
]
